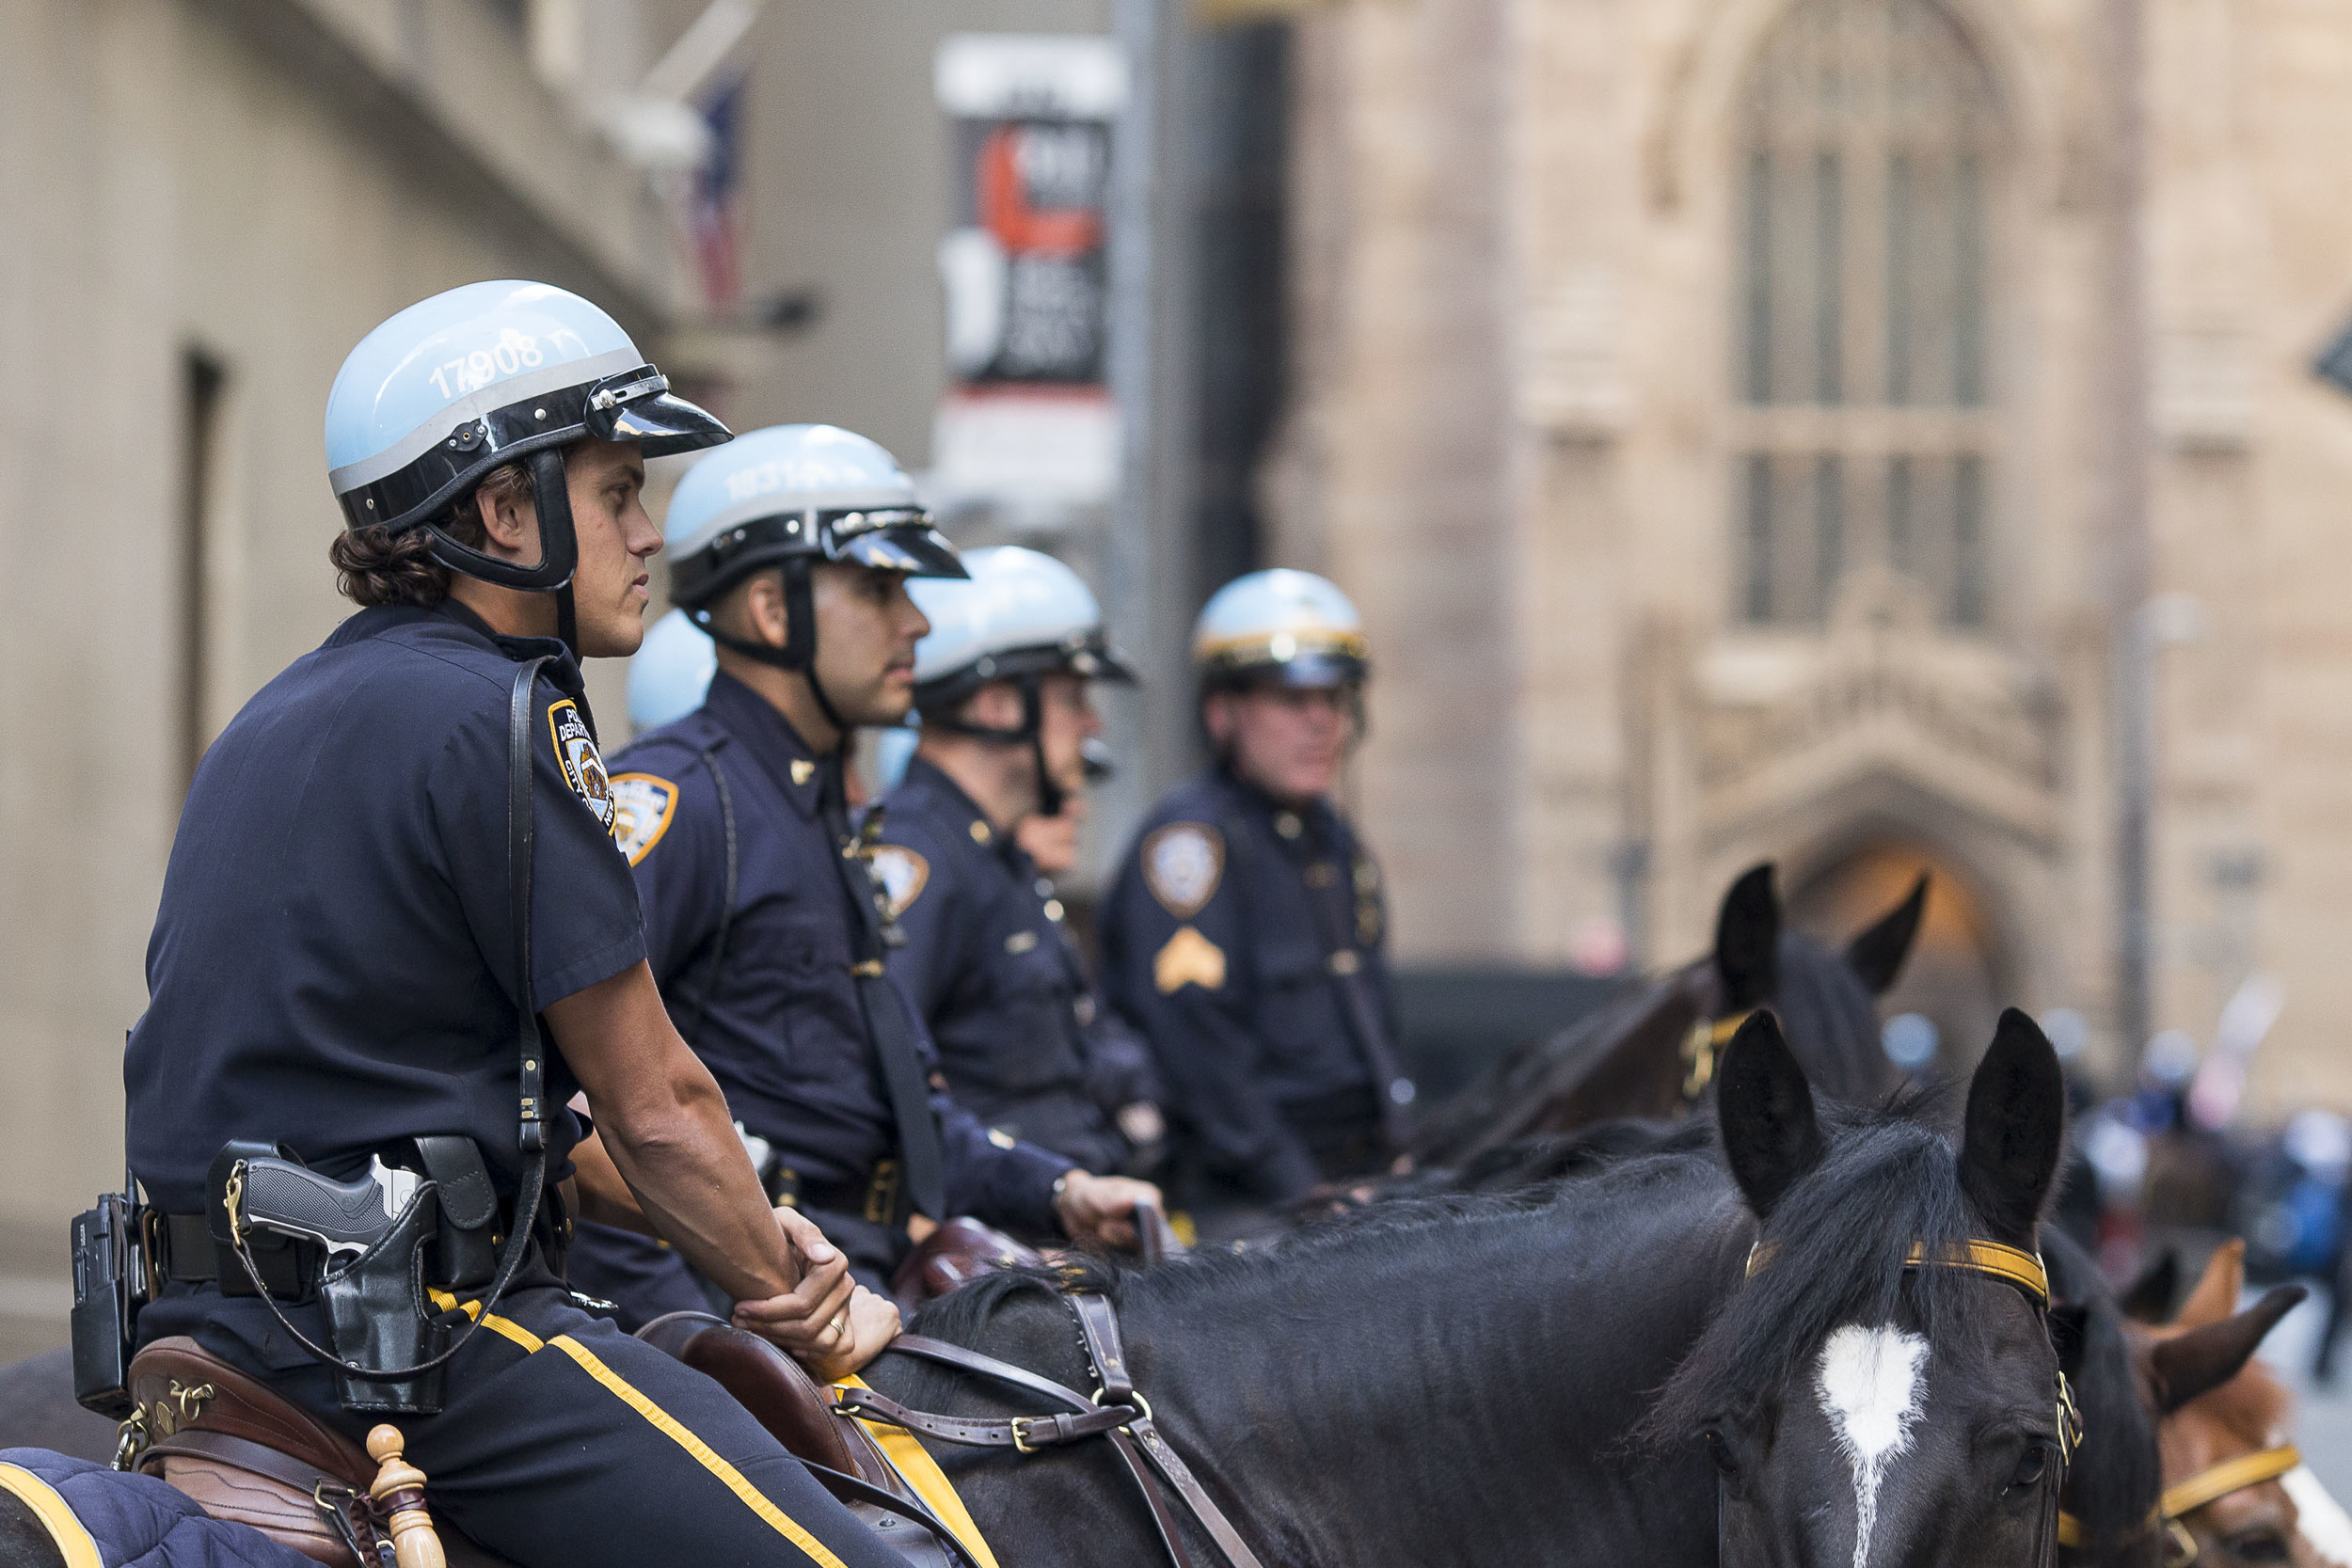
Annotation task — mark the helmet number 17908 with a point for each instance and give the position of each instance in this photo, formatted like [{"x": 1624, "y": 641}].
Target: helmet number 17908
[{"x": 514, "y": 352}]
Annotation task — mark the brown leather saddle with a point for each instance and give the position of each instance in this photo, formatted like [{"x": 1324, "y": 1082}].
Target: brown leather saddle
[
  {"x": 247, "y": 1454},
  {"x": 957, "y": 1253}
]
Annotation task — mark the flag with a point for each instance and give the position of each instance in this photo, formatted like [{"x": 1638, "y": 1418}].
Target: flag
[{"x": 714, "y": 208}]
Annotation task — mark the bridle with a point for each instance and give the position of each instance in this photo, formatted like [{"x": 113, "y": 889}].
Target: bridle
[
  {"x": 2207, "y": 1485},
  {"x": 1703, "y": 1047},
  {"x": 1116, "y": 1411},
  {"x": 2024, "y": 1272}
]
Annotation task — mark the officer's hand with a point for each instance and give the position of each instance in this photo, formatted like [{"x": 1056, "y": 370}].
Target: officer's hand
[
  {"x": 868, "y": 1324},
  {"x": 808, "y": 1242},
  {"x": 1100, "y": 1210},
  {"x": 811, "y": 1317}
]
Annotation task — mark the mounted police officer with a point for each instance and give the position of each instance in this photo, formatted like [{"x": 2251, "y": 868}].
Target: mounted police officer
[
  {"x": 394, "y": 861},
  {"x": 792, "y": 550},
  {"x": 1001, "y": 682},
  {"x": 1245, "y": 935}
]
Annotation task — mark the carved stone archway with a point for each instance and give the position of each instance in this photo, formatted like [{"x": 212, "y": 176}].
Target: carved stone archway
[{"x": 1959, "y": 975}]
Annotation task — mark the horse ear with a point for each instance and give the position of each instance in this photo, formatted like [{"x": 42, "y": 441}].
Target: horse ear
[
  {"x": 1747, "y": 941},
  {"x": 2205, "y": 1358},
  {"x": 2008, "y": 1151},
  {"x": 2216, "y": 1293},
  {"x": 2149, "y": 1298},
  {"x": 1765, "y": 1109},
  {"x": 1877, "y": 955}
]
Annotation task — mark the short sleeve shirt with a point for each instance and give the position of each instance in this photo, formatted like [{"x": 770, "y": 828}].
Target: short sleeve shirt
[{"x": 332, "y": 965}]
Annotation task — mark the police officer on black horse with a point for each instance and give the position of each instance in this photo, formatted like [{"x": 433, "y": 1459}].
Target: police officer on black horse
[
  {"x": 792, "y": 550},
  {"x": 1001, "y": 682},
  {"x": 396, "y": 861},
  {"x": 1246, "y": 934}
]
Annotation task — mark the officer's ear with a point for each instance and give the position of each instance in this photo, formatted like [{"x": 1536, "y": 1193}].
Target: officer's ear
[
  {"x": 1216, "y": 717},
  {"x": 753, "y": 609},
  {"x": 507, "y": 515}
]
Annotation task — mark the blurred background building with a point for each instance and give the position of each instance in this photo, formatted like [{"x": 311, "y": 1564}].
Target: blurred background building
[
  {"x": 1862, "y": 433},
  {"x": 1867, "y": 435}
]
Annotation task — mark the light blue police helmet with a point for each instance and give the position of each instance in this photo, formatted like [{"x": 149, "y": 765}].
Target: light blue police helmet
[
  {"x": 1020, "y": 613},
  {"x": 893, "y": 750},
  {"x": 671, "y": 671},
  {"x": 808, "y": 492},
  {"x": 1282, "y": 627},
  {"x": 484, "y": 375}
]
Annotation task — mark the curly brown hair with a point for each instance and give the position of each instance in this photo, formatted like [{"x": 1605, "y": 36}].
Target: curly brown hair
[{"x": 381, "y": 565}]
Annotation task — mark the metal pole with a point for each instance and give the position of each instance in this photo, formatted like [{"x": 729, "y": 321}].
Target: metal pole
[
  {"x": 2130, "y": 551},
  {"x": 1147, "y": 592}
]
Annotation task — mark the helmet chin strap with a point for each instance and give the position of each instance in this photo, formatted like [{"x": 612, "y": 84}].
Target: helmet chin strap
[
  {"x": 1051, "y": 796},
  {"x": 552, "y": 498},
  {"x": 799, "y": 653}
]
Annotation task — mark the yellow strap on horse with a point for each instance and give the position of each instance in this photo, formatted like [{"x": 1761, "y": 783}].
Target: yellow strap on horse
[
  {"x": 1990, "y": 1258},
  {"x": 2211, "y": 1485},
  {"x": 2010, "y": 1265},
  {"x": 922, "y": 1473},
  {"x": 2230, "y": 1475},
  {"x": 1707, "y": 1041}
]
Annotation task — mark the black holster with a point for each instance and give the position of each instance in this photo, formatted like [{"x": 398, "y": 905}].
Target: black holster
[{"x": 377, "y": 1316}]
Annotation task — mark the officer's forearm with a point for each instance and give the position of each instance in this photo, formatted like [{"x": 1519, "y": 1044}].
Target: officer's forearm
[
  {"x": 663, "y": 1123},
  {"x": 598, "y": 1192}
]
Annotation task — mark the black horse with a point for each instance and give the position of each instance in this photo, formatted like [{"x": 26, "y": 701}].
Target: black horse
[
  {"x": 1576, "y": 1374},
  {"x": 1649, "y": 1054}
]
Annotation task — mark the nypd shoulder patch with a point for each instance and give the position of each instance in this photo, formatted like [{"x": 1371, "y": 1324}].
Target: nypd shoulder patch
[
  {"x": 902, "y": 874},
  {"x": 1183, "y": 864},
  {"x": 583, "y": 765},
  {"x": 643, "y": 805}
]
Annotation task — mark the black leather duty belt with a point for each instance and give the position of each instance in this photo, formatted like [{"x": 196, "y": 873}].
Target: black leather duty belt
[{"x": 184, "y": 1251}]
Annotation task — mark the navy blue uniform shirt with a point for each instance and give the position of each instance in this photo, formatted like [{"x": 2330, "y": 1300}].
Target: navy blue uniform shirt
[
  {"x": 1224, "y": 940},
  {"x": 995, "y": 974},
  {"x": 779, "y": 1020},
  {"x": 332, "y": 962}
]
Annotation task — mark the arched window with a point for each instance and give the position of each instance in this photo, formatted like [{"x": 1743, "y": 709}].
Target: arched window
[{"x": 1868, "y": 134}]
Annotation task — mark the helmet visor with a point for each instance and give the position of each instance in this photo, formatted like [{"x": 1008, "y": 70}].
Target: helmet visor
[
  {"x": 638, "y": 406},
  {"x": 1101, "y": 660},
  {"x": 893, "y": 541}
]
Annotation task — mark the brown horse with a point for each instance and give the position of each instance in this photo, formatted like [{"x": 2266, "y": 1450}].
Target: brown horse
[{"x": 2233, "y": 1487}]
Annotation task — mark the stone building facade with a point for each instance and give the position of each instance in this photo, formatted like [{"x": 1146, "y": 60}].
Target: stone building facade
[{"x": 1732, "y": 417}]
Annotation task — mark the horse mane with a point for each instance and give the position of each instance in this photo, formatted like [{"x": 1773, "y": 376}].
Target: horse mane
[
  {"x": 964, "y": 1315},
  {"x": 1839, "y": 1240}
]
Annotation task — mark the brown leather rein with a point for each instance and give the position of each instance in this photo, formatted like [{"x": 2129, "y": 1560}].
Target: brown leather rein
[{"x": 1116, "y": 1410}]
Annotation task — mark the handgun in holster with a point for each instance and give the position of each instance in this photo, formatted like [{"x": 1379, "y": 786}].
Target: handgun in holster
[{"x": 365, "y": 1250}]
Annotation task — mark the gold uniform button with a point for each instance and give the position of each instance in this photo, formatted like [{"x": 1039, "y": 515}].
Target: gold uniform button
[
  {"x": 1053, "y": 909},
  {"x": 1344, "y": 962},
  {"x": 980, "y": 834},
  {"x": 1288, "y": 825}
]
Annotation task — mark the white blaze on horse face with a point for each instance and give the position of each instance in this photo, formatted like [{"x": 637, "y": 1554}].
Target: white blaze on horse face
[
  {"x": 2318, "y": 1517},
  {"x": 1872, "y": 1389}
]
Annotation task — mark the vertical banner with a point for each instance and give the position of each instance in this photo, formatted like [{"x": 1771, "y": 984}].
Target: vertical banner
[{"x": 1028, "y": 422}]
